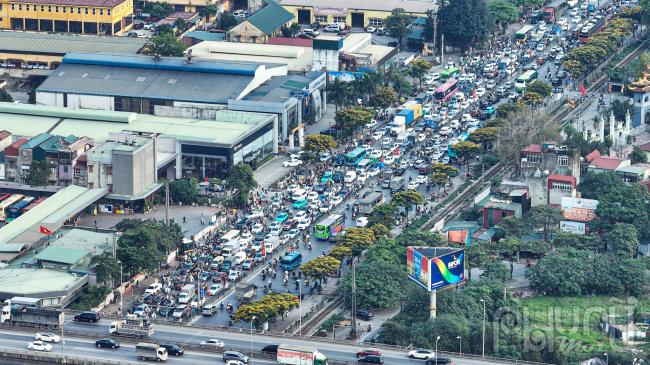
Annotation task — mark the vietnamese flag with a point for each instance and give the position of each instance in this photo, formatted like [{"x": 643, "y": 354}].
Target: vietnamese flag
[
  {"x": 397, "y": 151},
  {"x": 44, "y": 230},
  {"x": 583, "y": 91}
]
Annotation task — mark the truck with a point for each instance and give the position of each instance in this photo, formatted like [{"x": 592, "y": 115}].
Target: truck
[
  {"x": 187, "y": 294},
  {"x": 151, "y": 352},
  {"x": 549, "y": 14},
  {"x": 367, "y": 204},
  {"x": 396, "y": 183},
  {"x": 270, "y": 244},
  {"x": 300, "y": 355},
  {"x": 409, "y": 116},
  {"x": 245, "y": 292},
  {"x": 132, "y": 325},
  {"x": 418, "y": 110},
  {"x": 24, "y": 311}
]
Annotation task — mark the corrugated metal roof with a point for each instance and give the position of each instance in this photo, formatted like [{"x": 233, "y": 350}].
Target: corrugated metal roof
[
  {"x": 102, "y": 3},
  {"x": 33, "y": 142},
  {"x": 410, "y": 6},
  {"x": 62, "y": 255},
  {"x": 205, "y": 36},
  {"x": 26, "y": 282},
  {"x": 270, "y": 18},
  {"x": 60, "y": 44}
]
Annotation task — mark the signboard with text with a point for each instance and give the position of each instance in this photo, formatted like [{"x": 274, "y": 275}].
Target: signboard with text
[{"x": 435, "y": 268}]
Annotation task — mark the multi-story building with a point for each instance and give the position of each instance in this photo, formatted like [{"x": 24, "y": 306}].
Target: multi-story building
[{"x": 107, "y": 17}]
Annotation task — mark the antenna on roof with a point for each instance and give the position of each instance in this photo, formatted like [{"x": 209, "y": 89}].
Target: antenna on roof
[{"x": 189, "y": 56}]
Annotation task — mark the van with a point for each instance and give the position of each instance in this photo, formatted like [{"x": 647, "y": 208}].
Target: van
[
  {"x": 230, "y": 250},
  {"x": 350, "y": 176},
  {"x": 332, "y": 28},
  {"x": 231, "y": 237},
  {"x": 396, "y": 183},
  {"x": 216, "y": 262},
  {"x": 299, "y": 194}
]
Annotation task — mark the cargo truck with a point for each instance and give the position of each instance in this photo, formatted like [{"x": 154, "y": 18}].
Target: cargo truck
[
  {"x": 300, "y": 355},
  {"x": 132, "y": 325},
  {"x": 367, "y": 204},
  {"x": 25, "y": 311},
  {"x": 151, "y": 351},
  {"x": 187, "y": 294},
  {"x": 245, "y": 292}
]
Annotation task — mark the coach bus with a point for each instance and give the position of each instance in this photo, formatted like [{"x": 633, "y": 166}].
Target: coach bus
[
  {"x": 522, "y": 34},
  {"x": 594, "y": 26},
  {"x": 446, "y": 91},
  {"x": 522, "y": 82},
  {"x": 5, "y": 204},
  {"x": 450, "y": 72},
  {"x": 355, "y": 156},
  {"x": 331, "y": 224}
]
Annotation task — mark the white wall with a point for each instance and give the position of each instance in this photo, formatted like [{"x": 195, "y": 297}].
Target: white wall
[
  {"x": 76, "y": 101},
  {"x": 325, "y": 58},
  {"x": 43, "y": 98}
]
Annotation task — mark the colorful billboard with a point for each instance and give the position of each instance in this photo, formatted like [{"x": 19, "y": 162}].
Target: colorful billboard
[{"x": 435, "y": 268}]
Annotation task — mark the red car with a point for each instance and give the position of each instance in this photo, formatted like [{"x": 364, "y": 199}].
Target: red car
[{"x": 367, "y": 352}]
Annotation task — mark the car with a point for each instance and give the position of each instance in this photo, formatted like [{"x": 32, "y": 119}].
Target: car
[
  {"x": 300, "y": 215},
  {"x": 107, "y": 343},
  {"x": 257, "y": 228},
  {"x": 270, "y": 349},
  {"x": 283, "y": 216},
  {"x": 576, "y": 19},
  {"x": 413, "y": 185},
  {"x": 259, "y": 257},
  {"x": 377, "y": 135},
  {"x": 388, "y": 160},
  {"x": 47, "y": 337},
  {"x": 173, "y": 349},
  {"x": 373, "y": 124},
  {"x": 141, "y": 309},
  {"x": 292, "y": 163},
  {"x": 371, "y": 359},
  {"x": 293, "y": 233},
  {"x": 361, "y": 222},
  {"x": 421, "y": 354},
  {"x": 439, "y": 361},
  {"x": 375, "y": 153},
  {"x": 490, "y": 84},
  {"x": 215, "y": 289},
  {"x": 350, "y": 176},
  {"x": 422, "y": 179},
  {"x": 374, "y": 172},
  {"x": 235, "y": 355},
  {"x": 303, "y": 224},
  {"x": 39, "y": 346},
  {"x": 325, "y": 207},
  {"x": 234, "y": 275},
  {"x": 368, "y": 352},
  {"x": 362, "y": 177},
  {"x": 324, "y": 157},
  {"x": 314, "y": 205},
  {"x": 364, "y": 314},
  {"x": 336, "y": 200},
  {"x": 91, "y": 317},
  {"x": 300, "y": 204},
  {"x": 248, "y": 264},
  {"x": 212, "y": 342}
]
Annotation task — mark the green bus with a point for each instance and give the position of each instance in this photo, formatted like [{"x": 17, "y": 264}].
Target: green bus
[
  {"x": 450, "y": 72},
  {"x": 333, "y": 223},
  {"x": 522, "y": 82}
]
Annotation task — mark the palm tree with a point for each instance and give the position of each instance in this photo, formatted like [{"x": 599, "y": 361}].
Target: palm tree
[{"x": 339, "y": 92}]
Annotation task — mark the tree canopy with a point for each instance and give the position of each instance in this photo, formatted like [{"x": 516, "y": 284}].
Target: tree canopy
[
  {"x": 165, "y": 44},
  {"x": 241, "y": 179},
  {"x": 465, "y": 22}
]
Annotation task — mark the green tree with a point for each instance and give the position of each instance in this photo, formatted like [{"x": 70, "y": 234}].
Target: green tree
[
  {"x": 532, "y": 99},
  {"x": 576, "y": 241},
  {"x": 540, "y": 87},
  {"x": 546, "y": 218},
  {"x": 138, "y": 251},
  {"x": 379, "y": 285},
  {"x": 321, "y": 267},
  {"x": 465, "y": 22},
  {"x": 407, "y": 199},
  {"x": 638, "y": 155},
  {"x": 38, "y": 173},
  {"x": 241, "y": 179},
  {"x": 484, "y": 136},
  {"x": 504, "y": 110},
  {"x": 339, "y": 92},
  {"x": 439, "y": 179},
  {"x": 510, "y": 247},
  {"x": 521, "y": 129},
  {"x": 270, "y": 306},
  {"x": 504, "y": 13},
  {"x": 180, "y": 24},
  {"x": 317, "y": 143},
  {"x": 402, "y": 86},
  {"x": 352, "y": 119},
  {"x": 444, "y": 169},
  {"x": 227, "y": 20},
  {"x": 106, "y": 267},
  {"x": 165, "y": 44},
  {"x": 527, "y": 4},
  {"x": 183, "y": 191},
  {"x": 623, "y": 204},
  {"x": 418, "y": 68},
  {"x": 384, "y": 97},
  {"x": 382, "y": 214},
  {"x": 622, "y": 241},
  {"x": 620, "y": 109},
  {"x": 291, "y": 30},
  {"x": 397, "y": 24},
  {"x": 568, "y": 264},
  {"x": 512, "y": 227},
  {"x": 358, "y": 239},
  {"x": 5, "y": 96},
  {"x": 380, "y": 230},
  {"x": 477, "y": 256},
  {"x": 495, "y": 270},
  {"x": 465, "y": 150},
  {"x": 209, "y": 11},
  {"x": 158, "y": 10}
]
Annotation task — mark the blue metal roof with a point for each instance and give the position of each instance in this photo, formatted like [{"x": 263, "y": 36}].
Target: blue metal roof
[{"x": 164, "y": 63}]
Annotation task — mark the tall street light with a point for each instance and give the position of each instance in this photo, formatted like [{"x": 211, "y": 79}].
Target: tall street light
[
  {"x": 437, "y": 339},
  {"x": 251, "y": 338},
  {"x": 120, "y": 285},
  {"x": 460, "y": 346},
  {"x": 300, "y": 307},
  {"x": 483, "y": 352}
]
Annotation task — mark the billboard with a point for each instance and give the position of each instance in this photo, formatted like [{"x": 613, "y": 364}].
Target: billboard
[
  {"x": 347, "y": 76},
  {"x": 569, "y": 203},
  {"x": 573, "y": 227},
  {"x": 435, "y": 268}
]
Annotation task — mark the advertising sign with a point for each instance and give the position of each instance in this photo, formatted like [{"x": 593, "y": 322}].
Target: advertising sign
[
  {"x": 347, "y": 76},
  {"x": 569, "y": 203},
  {"x": 573, "y": 227},
  {"x": 435, "y": 268}
]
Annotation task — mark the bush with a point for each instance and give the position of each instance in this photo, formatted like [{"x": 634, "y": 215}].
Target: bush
[{"x": 90, "y": 298}]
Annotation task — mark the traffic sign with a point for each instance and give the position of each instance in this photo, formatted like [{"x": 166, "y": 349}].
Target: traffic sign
[{"x": 298, "y": 94}]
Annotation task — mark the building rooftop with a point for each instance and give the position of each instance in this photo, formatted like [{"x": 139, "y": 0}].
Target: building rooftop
[
  {"x": 593, "y": 155},
  {"x": 563, "y": 178},
  {"x": 96, "y": 3},
  {"x": 19, "y": 143},
  {"x": 61, "y": 255},
  {"x": 277, "y": 89},
  {"x": 35, "y": 141},
  {"x": 606, "y": 163},
  {"x": 291, "y": 41},
  {"x": 295, "y": 58},
  {"x": 410, "y": 6},
  {"x": 60, "y": 44},
  {"x": 634, "y": 169},
  {"x": 205, "y": 36},
  {"x": 87, "y": 240},
  {"x": 30, "y": 282},
  {"x": 533, "y": 148},
  {"x": 4, "y": 134},
  {"x": 270, "y": 18},
  {"x": 228, "y": 127}
]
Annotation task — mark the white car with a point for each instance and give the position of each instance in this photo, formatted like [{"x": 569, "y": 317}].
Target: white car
[
  {"x": 47, "y": 337},
  {"x": 153, "y": 288},
  {"x": 480, "y": 91},
  {"x": 212, "y": 342},
  {"x": 371, "y": 29},
  {"x": 389, "y": 159},
  {"x": 292, "y": 163},
  {"x": 374, "y": 172},
  {"x": 361, "y": 222},
  {"x": 464, "y": 105},
  {"x": 293, "y": 233},
  {"x": 413, "y": 185},
  {"x": 301, "y": 214},
  {"x": 325, "y": 207},
  {"x": 336, "y": 200},
  {"x": 39, "y": 346},
  {"x": 387, "y": 140},
  {"x": 296, "y": 156},
  {"x": 373, "y": 124},
  {"x": 362, "y": 177},
  {"x": 257, "y": 228},
  {"x": 421, "y": 137},
  {"x": 540, "y": 47},
  {"x": 576, "y": 19},
  {"x": 215, "y": 289},
  {"x": 422, "y": 179},
  {"x": 376, "y": 154},
  {"x": 421, "y": 354},
  {"x": 233, "y": 275},
  {"x": 313, "y": 205},
  {"x": 350, "y": 176},
  {"x": 303, "y": 224}
]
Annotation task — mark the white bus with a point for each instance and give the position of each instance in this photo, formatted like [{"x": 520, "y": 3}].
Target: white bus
[{"x": 522, "y": 82}]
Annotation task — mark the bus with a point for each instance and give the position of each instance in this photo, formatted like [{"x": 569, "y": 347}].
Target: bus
[
  {"x": 32, "y": 204},
  {"x": 370, "y": 201},
  {"x": 333, "y": 223},
  {"x": 355, "y": 156},
  {"x": 522, "y": 34},
  {"x": 524, "y": 80},
  {"x": 446, "y": 91},
  {"x": 231, "y": 237},
  {"x": 4, "y": 196},
  {"x": 291, "y": 261},
  {"x": 16, "y": 210},
  {"x": 594, "y": 26},
  {"x": 450, "y": 72},
  {"x": 462, "y": 138},
  {"x": 6, "y": 204}
]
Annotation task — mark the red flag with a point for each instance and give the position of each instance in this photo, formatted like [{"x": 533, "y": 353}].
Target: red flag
[
  {"x": 396, "y": 150},
  {"x": 44, "y": 230},
  {"x": 583, "y": 91},
  {"x": 206, "y": 179},
  {"x": 474, "y": 92},
  {"x": 263, "y": 250}
]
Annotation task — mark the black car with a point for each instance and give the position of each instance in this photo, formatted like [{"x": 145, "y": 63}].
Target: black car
[
  {"x": 372, "y": 359},
  {"x": 226, "y": 265},
  {"x": 173, "y": 349},
  {"x": 320, "y": 188},
  {"x": 271, "y": 349},
  {"x": 399, "y": 171},
  {"x": 556, "y": 82},
  {"x": 337, "y": 177},
  {"x": 91, "y": 317},
  {"x": 364, "y": 314},
  {"x": 107, "y": 343},
  {"x": 244, "y": 222},
  {"x": 392, "y": 44},
  {"x": 166, "y": 311},
  {"x": 441, "y": 361},
  {"x": 235, "y": 355}
]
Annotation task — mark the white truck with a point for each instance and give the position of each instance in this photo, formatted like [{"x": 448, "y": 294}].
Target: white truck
[
  {"x": 270, "y": 244},
  {"x": 151, "y": 352},
  {"x": 187, "y": 294},
  {"x": 132, "y": 325},
  {"x": 300, "y": 355},
  {"x": 398, "y": 125}
]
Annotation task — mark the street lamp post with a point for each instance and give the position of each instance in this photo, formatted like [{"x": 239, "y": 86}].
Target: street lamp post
[
  {"x": 120, "y": 285},
  {"x": 300, "y": 307},
  {"x": 437, "y": 339},
  {"x": 483, "y": 351},
  {"x": 460, "y": 346},
  {"x": 251, "y": 338}
]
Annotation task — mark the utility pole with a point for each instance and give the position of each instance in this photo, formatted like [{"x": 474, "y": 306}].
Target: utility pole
[
  {"x": 442, "y": 48},
  {"x": 167, "y": 203},
  {"x": 354, "y": 300},
  {"x": 435, "y": 31}
]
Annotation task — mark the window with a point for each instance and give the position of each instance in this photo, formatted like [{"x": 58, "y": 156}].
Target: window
[
  {"x": 320, "y": 18},
  {"x": 563, "y": 160},
  {"x": 561, "y": 186},
  {"x": 534, "y": 158},
  {"x": 65, "y": 168},
  {"x": 376, "y": 22},
  {"x": 63, "y": 9},
  {"x": 108, "y": 11},
  {"x": 12, "y": 7},
  {"x": 91, "y": 185},
  {"x": 56, "y": 9},
  {"x": 49, "y": 8},
  {"x": 78, "y": 10},
  {"x": 94, "y": 11},
  {"x": 86, "y": 11},
  {"x": 339, "y": 19},
  {"x": 101, "y": 11},
  {"x": 77, "y": 172},
  {"x": 90, "y": 168},
  {"x": 109, "y": 170},
  {"x": 20, "y": 7},
  {"x": 42, "y": 7}
]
